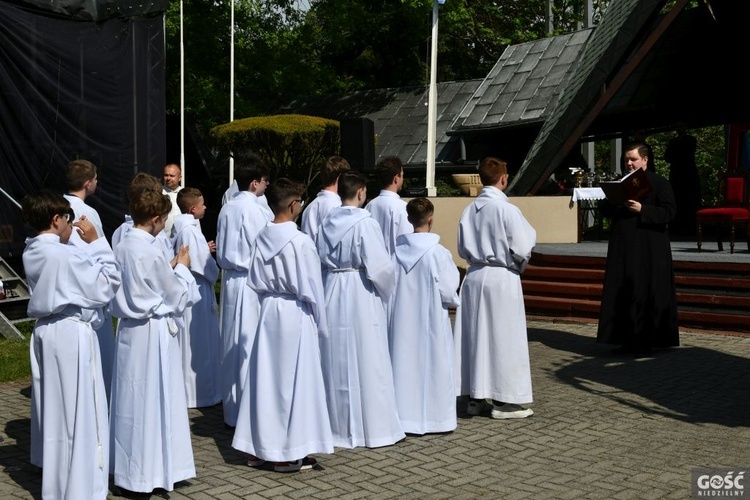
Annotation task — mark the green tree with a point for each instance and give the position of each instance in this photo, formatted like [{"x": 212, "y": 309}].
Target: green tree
[
  {"x": 283, "y": 52},
  {"x": 268, "y": 67},
  {"x": 292, "y": 145}
]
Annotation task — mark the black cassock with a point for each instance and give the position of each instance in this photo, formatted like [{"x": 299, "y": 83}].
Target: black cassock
[{"x": 639, "y": 306}]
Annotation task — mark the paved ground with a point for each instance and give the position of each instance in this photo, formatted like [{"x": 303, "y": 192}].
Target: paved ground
[{"x": 604, "y": 427}]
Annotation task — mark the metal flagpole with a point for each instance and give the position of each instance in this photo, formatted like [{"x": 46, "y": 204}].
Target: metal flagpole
[
  {"x": 182, "y": 100},
  {"x": 10, "y": 198},
  {"x": 432, "y": 105},
  {"x": 231, "y": 87}
]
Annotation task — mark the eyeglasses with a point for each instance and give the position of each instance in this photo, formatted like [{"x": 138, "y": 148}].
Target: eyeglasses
[
  {"x": 67, "y": 216},
  {"x": 301, "y": 203},
  {"x": 266, "y": 181}
]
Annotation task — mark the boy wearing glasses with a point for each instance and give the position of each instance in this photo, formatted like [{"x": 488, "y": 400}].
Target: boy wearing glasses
[
  {"x": 240, "y": 221},
  {"x": 70, "y": 287},
  {"x": 150, "y": 439},
  {"x": 284, "y": 372}
]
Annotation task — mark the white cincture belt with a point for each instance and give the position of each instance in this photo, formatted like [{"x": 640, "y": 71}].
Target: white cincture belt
[
  {"x": 494, "y": 264},
  {"x": 60, "y": 317},
  {"x": 346, "y": 270}
]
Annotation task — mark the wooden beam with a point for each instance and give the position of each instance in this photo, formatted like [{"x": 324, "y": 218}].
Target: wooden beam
[{"x": 609, "y": 92}]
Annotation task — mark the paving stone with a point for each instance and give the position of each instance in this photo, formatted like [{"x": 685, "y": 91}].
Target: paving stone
[{"x": 604, "y": 427}]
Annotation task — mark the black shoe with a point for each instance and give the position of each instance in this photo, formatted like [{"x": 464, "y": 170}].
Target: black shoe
[
  {"x": 642, "y": 352},
  {"x": 119, "y": 491},
  {"x": 632, "y": 350},
  {"x": 623, "y": 350}
]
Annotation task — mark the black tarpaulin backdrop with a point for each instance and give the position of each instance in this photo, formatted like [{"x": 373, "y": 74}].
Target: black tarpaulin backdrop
[{"x": 78, "y": 80}]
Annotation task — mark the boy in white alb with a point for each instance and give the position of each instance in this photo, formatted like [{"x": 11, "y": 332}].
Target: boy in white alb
[
  {"x": 240, "y": 221},
  {"x": 284, "y": 373},
  {"x": 358, "y": 277},
  {"x": 328, "y": 197},
  {"x": 70, "y": 287},
  {"x": 422, "y": 342},
  {"x": 140, "y": 182},
  {"x": 387, "y": 208},
  {"x": 151, "y": 446},
  {"x": 492, "y": 351},
  {"x": 199, "y": 334},
  {"x": 81, "y": 179}
]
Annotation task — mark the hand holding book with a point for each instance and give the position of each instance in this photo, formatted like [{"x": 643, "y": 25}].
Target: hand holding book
[{"x": 634, "y": 186}]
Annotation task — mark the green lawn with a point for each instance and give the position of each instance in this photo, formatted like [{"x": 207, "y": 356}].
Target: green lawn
[{"x": 14, "y": 355}]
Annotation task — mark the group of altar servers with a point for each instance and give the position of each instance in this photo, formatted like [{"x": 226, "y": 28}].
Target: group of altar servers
[{"x": 339, "y": 338}]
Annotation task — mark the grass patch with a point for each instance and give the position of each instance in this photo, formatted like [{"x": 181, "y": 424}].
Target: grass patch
[{"x": 14, "y": 355}]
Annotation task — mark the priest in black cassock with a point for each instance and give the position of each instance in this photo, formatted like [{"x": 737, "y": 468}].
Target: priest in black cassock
[{"x": 639, "y": 306}]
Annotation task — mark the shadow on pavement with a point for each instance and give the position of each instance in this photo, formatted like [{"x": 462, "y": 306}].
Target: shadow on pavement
[
  {"x": 14, "y": 458},
  {"x": 210, "y": 423},
  {"x": 690, "y": 384}
]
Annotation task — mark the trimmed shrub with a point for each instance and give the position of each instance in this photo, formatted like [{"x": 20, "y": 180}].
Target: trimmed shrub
[{"x": 293, "y": 146}]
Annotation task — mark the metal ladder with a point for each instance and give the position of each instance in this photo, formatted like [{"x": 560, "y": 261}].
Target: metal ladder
[{"x": 13, "y": 306}]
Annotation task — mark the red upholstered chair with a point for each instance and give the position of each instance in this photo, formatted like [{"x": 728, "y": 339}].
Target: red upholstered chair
[{"x": 734, "y": 210}]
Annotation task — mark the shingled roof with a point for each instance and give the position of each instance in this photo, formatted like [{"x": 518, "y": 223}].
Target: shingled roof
[
  {"x": 523, "y": 86},
  {"x": 520, "y": 90},
  {"x": 646, "y": 68},
  {"x": 640, "y": 69},
  {"x": 399, "y": 117}
]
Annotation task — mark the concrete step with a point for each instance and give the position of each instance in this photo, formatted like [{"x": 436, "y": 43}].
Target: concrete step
[{"x": 712, "y": 295}]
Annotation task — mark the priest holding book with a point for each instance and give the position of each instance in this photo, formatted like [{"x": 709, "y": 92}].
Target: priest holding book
[{"x": 639, "y": 306}]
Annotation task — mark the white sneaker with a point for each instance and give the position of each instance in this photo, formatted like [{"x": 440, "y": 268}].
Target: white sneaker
[
  {"x": 478, "y": 407},
  {"x": 510, "y": 410}
]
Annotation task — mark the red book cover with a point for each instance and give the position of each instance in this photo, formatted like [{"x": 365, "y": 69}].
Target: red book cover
[{"x": 634, "y": 186}]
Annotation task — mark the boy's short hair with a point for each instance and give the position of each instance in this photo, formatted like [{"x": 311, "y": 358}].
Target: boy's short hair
[
  {"x": 644, "y": 150},
  {"x": 419, "y": 210},
  {"x": 332, "y": 169},
  {"x": 77, "y": 173},
  {"x": 249, "y": 167},
  {"x": 140, "y": 182},
  {"x": 149, "y": 203},
  {"x": 388, "y": 168},
  {"x": 188, "y": 197},
  {"x": 349, "y": 183},
  {"x": 491, "y": 169},
  {"x": 39, "y": 208},
  {"x": 282, "y": 192}
]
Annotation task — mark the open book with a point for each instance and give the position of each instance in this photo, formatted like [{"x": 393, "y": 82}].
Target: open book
[{"x": 634, "y": 186}]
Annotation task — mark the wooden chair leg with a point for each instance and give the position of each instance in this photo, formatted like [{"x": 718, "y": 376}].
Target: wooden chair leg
[
  {"x": 731, "y": 238},
  {"x": 699, "y": 236},
  {"x": 719, "y": 244}
]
